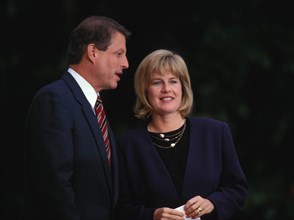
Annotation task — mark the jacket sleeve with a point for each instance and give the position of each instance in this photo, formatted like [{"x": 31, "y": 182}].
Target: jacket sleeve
[{"x": 233, "y": 187}]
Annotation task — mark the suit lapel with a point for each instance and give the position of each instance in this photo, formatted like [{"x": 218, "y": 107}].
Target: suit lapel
[{"x": 92, "y": 121}]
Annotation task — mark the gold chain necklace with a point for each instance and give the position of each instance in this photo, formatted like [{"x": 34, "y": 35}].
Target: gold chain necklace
[{"x": 168, "y": 138}]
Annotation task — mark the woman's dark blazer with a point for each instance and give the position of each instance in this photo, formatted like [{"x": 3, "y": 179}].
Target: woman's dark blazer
[
  {"x": 67, "y": 172},
  {"x": 213, "y": 171}
]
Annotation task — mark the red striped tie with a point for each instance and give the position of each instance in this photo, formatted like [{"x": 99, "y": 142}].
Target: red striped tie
[{"x": 101, "y": 117}]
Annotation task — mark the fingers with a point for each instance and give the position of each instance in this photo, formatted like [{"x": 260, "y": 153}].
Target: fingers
[
  {"x": 199, "y": 209},
  {"x": 197, "y": 212},
  {"x": 167, "y": 213},
  {"x": 198, "y": 206}
]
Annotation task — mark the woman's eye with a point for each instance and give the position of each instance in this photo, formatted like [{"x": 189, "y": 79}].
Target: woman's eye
[
  {"x": 173, "y": 81},
  {"x": 156, "y": 82}
]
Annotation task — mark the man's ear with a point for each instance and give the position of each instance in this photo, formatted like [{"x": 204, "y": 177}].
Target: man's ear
[{"x": 91, "y": 51}]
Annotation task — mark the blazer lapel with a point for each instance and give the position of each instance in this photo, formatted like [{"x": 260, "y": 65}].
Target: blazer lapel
[
  {"x": 159, "y": 171},
  {"x": 192, "y": 165}
]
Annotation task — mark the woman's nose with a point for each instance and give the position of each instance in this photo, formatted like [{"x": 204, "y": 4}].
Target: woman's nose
[{"x": 166, "y": 87}]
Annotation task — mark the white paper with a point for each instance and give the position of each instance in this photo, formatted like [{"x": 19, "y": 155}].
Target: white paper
[{"x": 181, "y": 208}]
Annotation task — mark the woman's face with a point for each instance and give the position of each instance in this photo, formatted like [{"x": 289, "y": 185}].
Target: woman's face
[{"x": 164, "y": 93}]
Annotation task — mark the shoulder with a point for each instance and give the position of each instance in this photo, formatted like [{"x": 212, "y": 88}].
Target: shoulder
[
  {"x": 130, "y": 134},
  {"x": 207, "y": 124},
  {"x": 53, "y": 86},
  {"x": 51, "y": 92},
  {"x": 133, "y": 140},
  {"x": 61, "y": 87},
  {"x": 205, "y": 121},
  {"x": 210, "y": 128}
]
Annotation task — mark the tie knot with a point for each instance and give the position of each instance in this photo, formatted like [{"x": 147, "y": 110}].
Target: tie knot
[
  {"x": 98, "y": 102},
  {"x": 99, "y": 99}
]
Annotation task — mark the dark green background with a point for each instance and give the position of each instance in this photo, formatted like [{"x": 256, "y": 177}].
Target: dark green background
[{"x": 240, "y": 54}]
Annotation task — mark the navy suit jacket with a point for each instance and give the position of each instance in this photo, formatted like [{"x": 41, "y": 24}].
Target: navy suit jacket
[
  {"x": 67, "y": 171},
  {"x": 212, "y": 171}
]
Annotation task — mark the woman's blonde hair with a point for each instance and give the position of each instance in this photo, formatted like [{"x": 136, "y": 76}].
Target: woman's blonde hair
[{"x": 160, "y": 61}]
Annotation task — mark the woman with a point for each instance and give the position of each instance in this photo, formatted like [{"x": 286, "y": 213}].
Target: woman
[{"x": 176, "y": 160}]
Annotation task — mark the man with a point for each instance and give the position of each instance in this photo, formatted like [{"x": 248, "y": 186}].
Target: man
[{"x": 68, "y": 174}]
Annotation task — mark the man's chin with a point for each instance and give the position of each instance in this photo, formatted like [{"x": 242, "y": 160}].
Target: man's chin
[{"x": 114, "y": 86}]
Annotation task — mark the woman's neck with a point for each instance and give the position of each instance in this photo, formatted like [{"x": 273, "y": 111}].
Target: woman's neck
[{"x": 165, "y": 124}]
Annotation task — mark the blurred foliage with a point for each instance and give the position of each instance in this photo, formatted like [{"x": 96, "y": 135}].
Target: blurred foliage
[{"x": 241, "y": 60}]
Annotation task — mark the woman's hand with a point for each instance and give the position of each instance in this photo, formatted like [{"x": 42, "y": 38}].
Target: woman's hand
[
  {"x": 198, "y": 206},
  {"x": 167, "y": 213}
]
